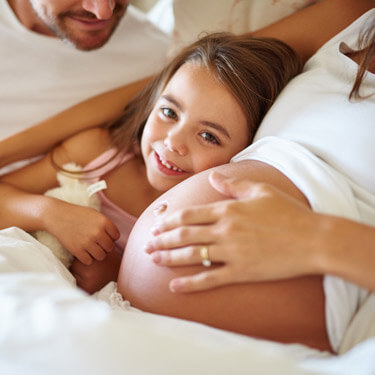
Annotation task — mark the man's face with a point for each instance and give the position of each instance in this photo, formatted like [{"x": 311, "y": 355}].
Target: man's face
[{"x": 86, "y": 24}]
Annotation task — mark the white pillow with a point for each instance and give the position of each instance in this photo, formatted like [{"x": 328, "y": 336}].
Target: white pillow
[
  {"x": 192, "y": 17},
  {"x": 161, "y": 15}
]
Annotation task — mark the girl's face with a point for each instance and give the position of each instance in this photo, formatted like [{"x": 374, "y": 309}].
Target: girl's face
[{"x": 196, "y": 124}]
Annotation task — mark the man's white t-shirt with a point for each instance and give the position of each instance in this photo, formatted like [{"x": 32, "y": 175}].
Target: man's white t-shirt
[{"x": 43, "y": 75}]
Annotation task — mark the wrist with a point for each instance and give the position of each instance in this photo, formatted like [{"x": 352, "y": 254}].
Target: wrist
[
  {"x": 46, "y": 217},
  {"x": 5, "y": 151},
  {"x": 334, "y": 247}
]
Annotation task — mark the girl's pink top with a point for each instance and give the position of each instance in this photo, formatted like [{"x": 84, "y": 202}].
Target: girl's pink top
[{"x": 123, "y": 220}]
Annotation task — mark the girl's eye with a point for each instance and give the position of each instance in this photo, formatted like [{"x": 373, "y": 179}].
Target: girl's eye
[
  {"x": 210, "y": 138},
  {"x": 170, "y": 113}
]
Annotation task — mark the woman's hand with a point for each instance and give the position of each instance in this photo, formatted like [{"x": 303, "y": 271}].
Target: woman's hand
[
  {"x": 95, "y": 276},
  {"x": 84, "y": 232},
  {"x": 261, "y": 234}
]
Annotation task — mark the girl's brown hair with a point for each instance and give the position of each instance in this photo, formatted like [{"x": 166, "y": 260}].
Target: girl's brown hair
[
  {"x": 255, "y": 70},
  {"x": 367, "y": 44}
]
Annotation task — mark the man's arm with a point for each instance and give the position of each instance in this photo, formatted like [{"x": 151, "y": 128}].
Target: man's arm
[
  {"x": 308, "y": 29},
  {"x": 90, "y": 113}
]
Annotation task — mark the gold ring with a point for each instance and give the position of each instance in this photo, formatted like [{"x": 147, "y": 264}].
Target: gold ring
[{"x": 204, "y": 255}]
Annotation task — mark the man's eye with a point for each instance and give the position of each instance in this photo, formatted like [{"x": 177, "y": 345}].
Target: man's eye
[
  {"x": 210, "y": 138},
  {"x": 170, "y": 113}
]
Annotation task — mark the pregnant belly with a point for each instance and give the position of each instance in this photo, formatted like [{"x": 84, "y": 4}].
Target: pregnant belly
[{"x": 285, "y": 311}]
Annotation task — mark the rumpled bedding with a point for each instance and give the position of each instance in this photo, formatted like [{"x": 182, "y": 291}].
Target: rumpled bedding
[{"x": 48, "y": 326}]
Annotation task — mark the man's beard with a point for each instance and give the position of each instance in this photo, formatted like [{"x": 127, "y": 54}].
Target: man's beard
[{"x": 57, "y": 26}]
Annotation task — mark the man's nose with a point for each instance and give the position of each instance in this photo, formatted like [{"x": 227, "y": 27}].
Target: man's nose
[{"x": 103, "y": 9}]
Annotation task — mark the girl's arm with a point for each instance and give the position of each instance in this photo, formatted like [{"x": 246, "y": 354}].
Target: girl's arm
[
  {"x": 95, "y": 276},
  {"x": 269, "y": 236},
  {"x": 308, "y": 29},
  {"x": 43, "y": 136},
  {"x": 83, "y": 231}
]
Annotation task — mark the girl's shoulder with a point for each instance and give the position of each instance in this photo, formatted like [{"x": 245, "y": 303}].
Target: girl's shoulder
[{"x": 83, "y": 147}]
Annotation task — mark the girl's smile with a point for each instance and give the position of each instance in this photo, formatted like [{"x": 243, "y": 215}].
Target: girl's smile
[{"x": 167, "y": 167}]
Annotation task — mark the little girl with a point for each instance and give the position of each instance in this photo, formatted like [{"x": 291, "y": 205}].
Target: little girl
[{"x": 202, "y": 109}]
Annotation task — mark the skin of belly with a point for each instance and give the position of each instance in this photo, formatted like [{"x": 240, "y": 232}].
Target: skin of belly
[{"x": 285, "y": 311}]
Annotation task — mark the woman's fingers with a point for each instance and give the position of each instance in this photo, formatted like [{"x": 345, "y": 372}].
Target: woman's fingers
[
  {"x": 248, "y": 239},
  {"x": 238, "y": 188},
  {"x": 189, "y": 216},
  {"x": 190, "y": 255},
  {"x": 202, "y": 281},
  {"x": 225, "y": 185},
  {"x": 211, "y": 213},
  {"x": 179, "y": 257},
  {"x": 182, "y": 236}
]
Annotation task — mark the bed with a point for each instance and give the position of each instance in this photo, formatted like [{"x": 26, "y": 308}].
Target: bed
[{"x": 48, "y": 326}]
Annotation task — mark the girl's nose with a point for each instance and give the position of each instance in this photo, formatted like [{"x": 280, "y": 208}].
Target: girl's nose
[
  {"x": 175, "y": 141},
  {"x": 103, "y": 9}
]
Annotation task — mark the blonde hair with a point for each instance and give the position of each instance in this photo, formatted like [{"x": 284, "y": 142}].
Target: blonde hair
[{"x": 254, "y": 70}]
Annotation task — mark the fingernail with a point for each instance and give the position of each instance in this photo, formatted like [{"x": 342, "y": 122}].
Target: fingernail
[
  {"x": 156, "y": 258},
  {"x": 155, "y": 229},
  {"x": 175, "y": 285},
  {"x": 148, "y": 247}
]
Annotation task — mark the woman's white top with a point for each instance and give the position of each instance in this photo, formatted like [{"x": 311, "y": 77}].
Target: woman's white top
[{"x": 325, "y": 144}]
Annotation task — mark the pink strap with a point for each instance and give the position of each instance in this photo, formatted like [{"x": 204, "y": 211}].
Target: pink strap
[{"x": 105, "y": 163}]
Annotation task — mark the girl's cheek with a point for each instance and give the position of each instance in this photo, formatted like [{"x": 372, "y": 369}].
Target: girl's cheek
[
  {"x": 152, "y": 125},
  {"x": 147, "y": 131}
]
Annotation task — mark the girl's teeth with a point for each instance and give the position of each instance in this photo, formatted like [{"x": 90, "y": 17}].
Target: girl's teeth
[{"x": 170, "y": 166}]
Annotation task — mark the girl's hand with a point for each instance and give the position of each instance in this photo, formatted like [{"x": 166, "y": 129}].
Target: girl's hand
[
  {"x": 95, "y": 276},
  {"x": 261, "y": 234},
  {"x": 84, "y": 232}
]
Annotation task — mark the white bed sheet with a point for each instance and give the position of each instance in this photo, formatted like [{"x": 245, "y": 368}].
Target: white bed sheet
[{"x": 48, "y": 326}]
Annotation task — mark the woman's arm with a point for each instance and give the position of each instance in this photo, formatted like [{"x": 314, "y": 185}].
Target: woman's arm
[
  {"x": 93, "y": 112},
  {"x": 266, "y": 235},
  {"x": 308, "y": 29}
]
